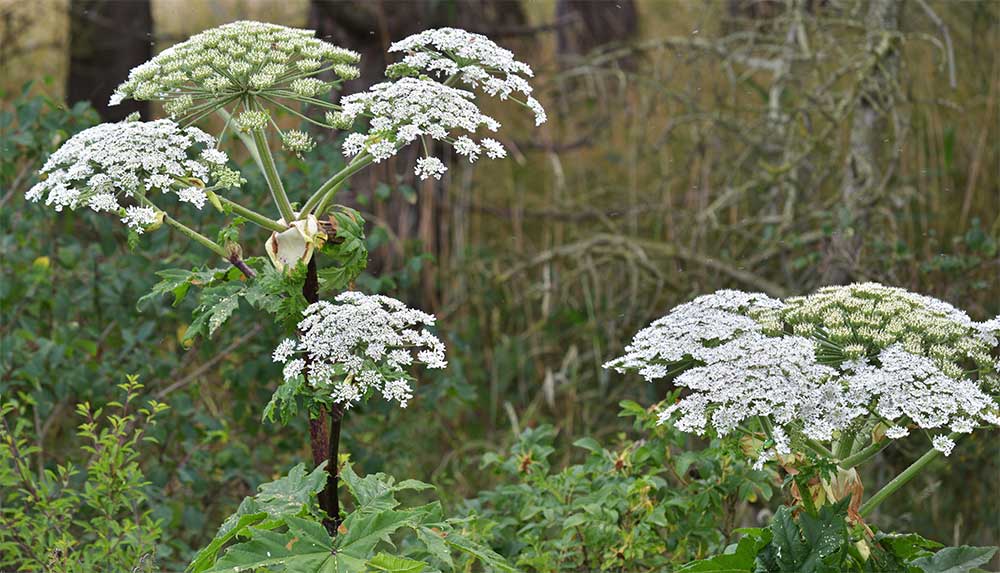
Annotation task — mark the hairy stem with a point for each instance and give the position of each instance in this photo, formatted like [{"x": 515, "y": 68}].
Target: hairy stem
[
  {"x": 333, "y": 469},
  {"x": 323, "y": 446},
  {"x": 252, "y": 216},
  {"x": 321, "y": 195},
  {"x": 864, "y": 454},
  {"x": 271, "y": 175},
  {"x": 899, "y": 481}
]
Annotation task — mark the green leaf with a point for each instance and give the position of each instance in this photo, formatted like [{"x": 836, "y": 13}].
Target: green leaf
[
  {"x": 395, "y": 564},
  {"x": 589, "y": 444},
  {"x": 485, "y": 555},
  {"x": 739, "y": 561},
  {"x": 907, "y": 546},
  {"x": 955, "y": 559},
  {"x": 282, "y": 406},
  {"x": 374, "y": 492},
  {"x": 361, "y": 532},
  {"x": 305, "y": 548},
  {"x": 215, "y": 305},
  {"x": 433, "y": 540},
  {"x": 177, "y": 282},
  {"x": 816, "y": 543},
  {"x": 276, "y": 501},
  {"x": 346, "y": 248}
]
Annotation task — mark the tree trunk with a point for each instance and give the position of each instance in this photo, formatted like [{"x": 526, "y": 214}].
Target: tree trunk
[
  {"x": 107, "y": 39},
  {"x": 862, "y": 181}
]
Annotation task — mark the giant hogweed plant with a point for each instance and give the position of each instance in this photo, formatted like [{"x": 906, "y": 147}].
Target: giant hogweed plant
[
  {"x": 346, "y": 350},
  {"x": 818, "y": 385}
]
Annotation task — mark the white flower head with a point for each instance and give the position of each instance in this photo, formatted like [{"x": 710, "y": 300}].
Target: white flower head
[
  {"x": 428, "y": 167},
  {"x": 100, "y": 166},
  {"x": 473, "y": 59},
  {"x": 819, "y": 365},
  {"x": 943, "y": 444},
  {"x": 235, "y": 60},
  {"x": 361, "y": 344},
  {"x": 408, "y": 108},
  {"x": 138, "y": 218}
]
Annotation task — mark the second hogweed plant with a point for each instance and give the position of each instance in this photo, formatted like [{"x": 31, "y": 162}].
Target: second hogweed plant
[
  {"x": 818, "y": 385},
  {"x": 347, "y": 349}
]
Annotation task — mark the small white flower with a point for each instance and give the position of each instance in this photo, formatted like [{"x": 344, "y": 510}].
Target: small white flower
[
  {"x": 239, "y": 58},
  {"x": 137, "y": 218},
  {"x": 293, "y": 369},
  {"x": 943, "y": 444},
  {"x": 856, "y": 352},
  {"x": 104, "y": 202},
  {"x": 494, "y": 149},
  {"x": 194, "y": 195},
  {"x": 428, "y": 167},
  {"x": 536, "y": 107},
  {"x": 284, "y": 350},
  {"x": 214, "y": 156},
  {"x": 465, "y": 146},
  {"x": 896, "y": 432},
  {"x": 407, "y": 108}
]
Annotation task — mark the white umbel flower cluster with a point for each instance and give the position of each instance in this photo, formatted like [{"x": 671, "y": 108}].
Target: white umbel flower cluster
[
  {"x": 361, "y": 344},
  {"x": 407, "y": 109},
  {"x": 839, "y": 360},
  {"x": 238, "y": 59},
  {"x": 100, "y": 165},
  {"x": 473, "y": 58}
]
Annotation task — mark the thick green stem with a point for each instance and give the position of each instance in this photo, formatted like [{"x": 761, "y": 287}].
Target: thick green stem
[
  {"x": 252, "y": 216},
  {"x": 196, "y": 236},
  {"x": 187, "y": 231},
  {"x": 845, "y": 445},
  {"x": 864, "y": 454},
  {"x": 326, "y": 190},
  {"x": 899, "y": 481},
  {"x": 271, "y": 175},
  {"x": 246, "y": 139},
  {"x": 819, "y": 448}
]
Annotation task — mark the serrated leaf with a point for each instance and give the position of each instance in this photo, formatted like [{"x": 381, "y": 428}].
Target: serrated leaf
[
  {"x": 276, "y": 501},
  {"x": 282, "y": 406},
  {"x": 215, "y": 305},
  {"x": 485, "y": 555},
  {"x": 347, "y": 249},
  {"x": 955, "y": 559},
  {"x": 305, "y": 548},
  {"x": 395, "y": 564},
  {"x": 739, "y": 561},
  {"x": 433, "y": 540},
  {"x": 176, "y": 282}
]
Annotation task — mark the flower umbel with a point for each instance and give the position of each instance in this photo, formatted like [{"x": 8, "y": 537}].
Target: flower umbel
[
  {"x": 361, "y": 344},
  {"x": 820, "y": 367},
  {"x": 100, "y": 165},
  {"x": 472, "y": 58},
  {"x": 240, "y": 59}
]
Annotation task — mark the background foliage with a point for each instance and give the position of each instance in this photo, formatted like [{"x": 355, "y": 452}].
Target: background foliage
[{"x": 670, "y": 167}]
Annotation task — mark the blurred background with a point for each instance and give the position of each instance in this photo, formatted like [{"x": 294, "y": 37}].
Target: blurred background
[{"x": 762, "y": 145}]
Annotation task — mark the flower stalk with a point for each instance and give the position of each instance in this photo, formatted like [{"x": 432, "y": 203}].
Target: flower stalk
[
  {"x": 898, "y": 481},
  {"x": 271, "y": 175}
]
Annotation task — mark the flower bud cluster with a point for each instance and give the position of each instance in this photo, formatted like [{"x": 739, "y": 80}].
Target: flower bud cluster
[
  {"x": 100, "y": 165},
  {"x": 238, "y": 59},
  {"x": 359, "y": 345},
  {"x": 820, "y": 365}
]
